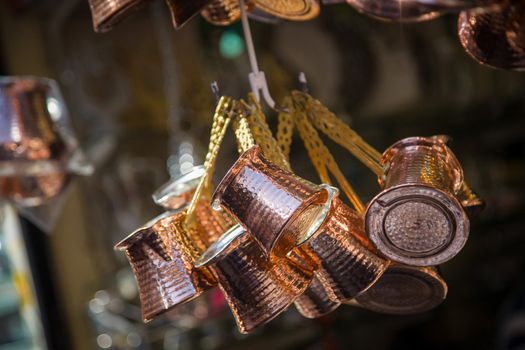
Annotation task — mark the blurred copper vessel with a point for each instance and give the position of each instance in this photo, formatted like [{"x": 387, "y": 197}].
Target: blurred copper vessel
[
  {"x": 184, "y": 10},
  {"x": 316, "y": 301},
  {"x": 257, "y": 289},
  {"x": 416, "y": 219},
  {"x": 295, "y": 10},
  {"x": 404, "y": 290},
  {"x": 108, "y": 13},
  {"x": 276, "y": 207},
  {"x": 347, "y": 266},
  {"x": 179, "y": 191},
  {"x": 414, "y": 10},
  {"x": 162, "y": 256},
  {"x": 497, "y": 37},
  {"x": 224, "y": 12},
  {"x": 37, "y": 149}
]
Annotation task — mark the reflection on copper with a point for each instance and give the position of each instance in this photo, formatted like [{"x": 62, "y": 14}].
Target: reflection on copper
[
  {"x": 224, "y": 12},
  {"x": 258, "y": 289},
  {"x": 405, "y": 290},
  {"x": 108, "y": 13},
  {"x": 161, "y": 255},
  {"x": 184, "y": 10},
  {"x": 179, "y": 191},
  {"x": 275, "y": 206},
  {"x": 495, "y": 38},
  {"x": 295, "y": 10},
  {"x": 417, "y": 219},
  {"x": 347, "y": 268},
  {"x": 32, "y": 150},
  {"x": 470, "y": 201}
]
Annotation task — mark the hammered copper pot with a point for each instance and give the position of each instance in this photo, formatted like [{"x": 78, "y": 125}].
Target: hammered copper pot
[
  {"x": 257, "y": 289},
  {"x": 276, "y": 207},
  {"x": 417, "y": 219},
  {"x": 162, "y": 257},
  {"x": 404, "y": 290},
  {"x": 36, "y": 153}
]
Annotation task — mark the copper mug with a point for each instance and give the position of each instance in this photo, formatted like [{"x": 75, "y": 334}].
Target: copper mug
[
  {"x": 348, "y": 265},
  {"x": 162, "y": 256},
  {"x": 256, "y": 288},
  {"x": 38, "y": 152},
  {"x": 417, "y": 219},
  {"x": 404, "y": 290},
  {"x": 276, "y": 207}
]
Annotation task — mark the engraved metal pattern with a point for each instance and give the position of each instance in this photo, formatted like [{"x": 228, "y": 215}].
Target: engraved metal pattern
[
  {"x": 266, "y": 200},
  {"x": 416, "y": 219},
  {"x": 347, "y": 268},
  {"x": 316, "y": 300},
  {"x": 162, "y": 261},
  {"x": 405, "y": 290},
  {"x": 296, "y": 10},
  {"x": 108, "y": 13},
  {"x": 495, "y": 38},
  {"x": 258, "y": 289}
]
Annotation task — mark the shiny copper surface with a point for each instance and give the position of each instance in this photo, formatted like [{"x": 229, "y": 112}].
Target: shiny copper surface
[
  {"x": 316, "y": 300},
  {"x": 405, "y": 290},
  {"x": 275, "y": 206},
  {"x": 184, "y": 10},
  {"x": 259, "y": 289},
  {"x": 495, "y": 38},
  {"x": 179, "y": 191},
  {"x": 416, "y": 219},
  {"x": 347, "y": 268},
  {"x": 223, "y": 12},
  {"x": 108, "y": 13},
  {"x": 470, "y": 201},
  {"x": 34, "y": 155},
  {"x": 396, "y": 10},
  {"x": 296, "y": 10}
]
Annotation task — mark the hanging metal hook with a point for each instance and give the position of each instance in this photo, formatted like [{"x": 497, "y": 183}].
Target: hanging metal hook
[
  {"x": 303, "y": 83},
  {"x": 258, "y": 82}
]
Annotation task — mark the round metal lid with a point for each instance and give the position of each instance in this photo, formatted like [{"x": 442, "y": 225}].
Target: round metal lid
[{"x": 417, "y": 225}]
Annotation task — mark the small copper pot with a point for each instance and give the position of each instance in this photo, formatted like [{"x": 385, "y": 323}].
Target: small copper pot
[
  {"x": 417, "y": 219},
  {"x": 162, "y": 257},
  {"x": 275, "y": 206},
  {"x": 404, "y": 290},
  {"x": 37, "y": 149},
  {"x": 184, "y": 10},
  {"x": 257, "y": 289},
  {"x": 317, "y": 300}
]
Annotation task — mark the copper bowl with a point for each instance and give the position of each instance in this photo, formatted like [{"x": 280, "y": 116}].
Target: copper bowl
[
  {"x": 257, "y": 289},
  {"x": 417, "y": 219},
  {"x": 37, "y": 149},
  {"x": 404, "y": 290},
  {"x": 276, "y": 207}
]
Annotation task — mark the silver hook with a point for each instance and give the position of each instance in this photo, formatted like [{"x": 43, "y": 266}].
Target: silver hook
[
  {"x": 258, "y": 82},
  {"x": 215, "y": 90},
  {"x": 303, "y": 83}
]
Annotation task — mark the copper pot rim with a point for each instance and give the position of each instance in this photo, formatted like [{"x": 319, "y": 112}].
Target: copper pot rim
[
  {"x": 174, "y": 187},
  {"x": 221, "y": 247},
  {"x": 457, "y": 242},
  {"x": 145, "y": 230}
]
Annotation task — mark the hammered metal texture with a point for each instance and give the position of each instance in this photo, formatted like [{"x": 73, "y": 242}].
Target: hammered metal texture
[
  {"x": 405, "y": 290},
  {"x": 259, "y": 289},
  {"x": 495, "y": 38},
  {"x": 316, "y": 300},
  {"x": 347, "y": 268},
  {"x": 295, "y": 10},
  {"x": 275, "y": 206},
  {"x": 32, "y": 151},
  {"x": 417, "y": 219},
  {"x": 108, "y": 13},
  {"x": 161, "y": 257},
  {"x": 223, "y": 12},
  {"x": 184, "y": 10}
]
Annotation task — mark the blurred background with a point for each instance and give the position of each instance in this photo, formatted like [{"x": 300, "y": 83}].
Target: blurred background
[{"x": 140, "y": 101}]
